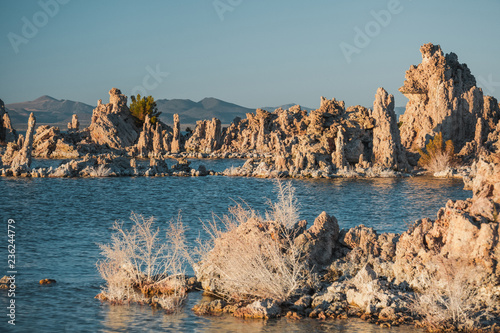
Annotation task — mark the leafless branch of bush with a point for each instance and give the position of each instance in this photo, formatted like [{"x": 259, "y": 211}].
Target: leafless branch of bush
[
  {"x": 286, "y": 210},
  {"x": 138, "y": 264},
  {"x": 248, "y": 257},
  {"x": 450, "y": 297}
]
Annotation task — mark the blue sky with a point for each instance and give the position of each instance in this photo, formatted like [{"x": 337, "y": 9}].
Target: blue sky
[{"x": 249, "y": 52}]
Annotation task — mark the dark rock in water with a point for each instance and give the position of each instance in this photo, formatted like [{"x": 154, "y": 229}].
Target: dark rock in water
[
  {"x": 213, "y": 308},
  {"x": 5, "y": 282},
  {"x": 47, "y": 281},
  {"x": 260, "y": 309}
]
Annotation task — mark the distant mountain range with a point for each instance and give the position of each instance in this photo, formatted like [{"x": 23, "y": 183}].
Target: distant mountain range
[
  {"x": 48, "y": 111},
  {"x": 208, "y": 108},
  {"x": 55, "y": 112}
]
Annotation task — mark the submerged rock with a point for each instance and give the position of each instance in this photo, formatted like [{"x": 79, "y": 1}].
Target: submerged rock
[
  {"x": 260, "y": 309},
  {"x": 47, "y": 281}
]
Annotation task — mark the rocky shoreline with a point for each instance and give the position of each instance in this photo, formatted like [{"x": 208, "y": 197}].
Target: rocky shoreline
[{"x": 387, "y": 278}]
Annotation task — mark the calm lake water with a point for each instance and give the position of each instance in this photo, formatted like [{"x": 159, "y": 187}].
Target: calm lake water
[{"x": 59, "y": 222}]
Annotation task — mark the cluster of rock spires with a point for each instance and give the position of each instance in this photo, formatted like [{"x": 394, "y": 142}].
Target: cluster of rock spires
[{"x": 328, "y": 142}]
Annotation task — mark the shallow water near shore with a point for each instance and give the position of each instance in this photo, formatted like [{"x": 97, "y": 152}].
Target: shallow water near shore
[{"x": 59, "y": 222}]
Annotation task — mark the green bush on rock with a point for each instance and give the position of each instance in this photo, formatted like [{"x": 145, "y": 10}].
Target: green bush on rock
[{"x": 142, "y": 107}]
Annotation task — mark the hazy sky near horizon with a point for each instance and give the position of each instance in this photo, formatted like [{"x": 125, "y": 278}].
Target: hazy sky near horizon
[{"x": 250, "y": 52}]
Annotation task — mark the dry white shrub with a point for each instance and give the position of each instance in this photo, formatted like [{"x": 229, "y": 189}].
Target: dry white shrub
[
  {"x": 100, "y": 171},
  {"x": 139, "y": 264},
  {"x": 247, "y": 257},
  {"x": 450, "y": 296},
  {"x": 286, "y": 210}
]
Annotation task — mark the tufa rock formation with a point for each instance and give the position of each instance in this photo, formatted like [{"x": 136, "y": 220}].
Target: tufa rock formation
[
  {"x": 74, "y": 125},
  {"x": 176, "y": 145},
  {"x": 18, "y": 155},
  {"x": 154, "y": 140},
  {"x": 443, "y": 97},
  {"x": 206, "y": 138},
  {"x": 465, "y": 234},
  {"x": 112, "y": 124},
  {"x": 387, "y": 149},
  {"x": 7, "y": 132},
  {"x": 49, "y": 142}
]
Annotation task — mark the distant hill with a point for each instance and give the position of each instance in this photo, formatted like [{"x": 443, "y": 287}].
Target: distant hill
[
  {"x": 49, "y": 111},
  {"x": 208, "y": 108}
]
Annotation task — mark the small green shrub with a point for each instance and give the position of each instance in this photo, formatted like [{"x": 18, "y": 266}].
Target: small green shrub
[
  {"x": 142, "y": 107},
  {"x": 438, "y": 156}
]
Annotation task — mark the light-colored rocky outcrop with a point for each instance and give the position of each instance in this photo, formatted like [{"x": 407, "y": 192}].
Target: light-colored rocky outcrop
[
  {"x": 18, "y": 155},
  {"x": 387, "y": 149},
  {"x": 319, "y": 241},
  {"x": 296, "y": 144},
  {"x": 260, "y": 309},
  {"x": 74, "y": 125},
  {"x": 49, "y": 142},
  {"x": 7, "y": 132},
  {"x": 112, "y": 124},
  {"x": 206, "y": 138},
  {"x": 490, "y": 116},
  {"x": 338, "y": 156},
  {"x": 465, "y": 233},
  {"x": 443, "y": 97},
  {"x": 176, "y": 145},
  {"x": 154, "y": 139}
]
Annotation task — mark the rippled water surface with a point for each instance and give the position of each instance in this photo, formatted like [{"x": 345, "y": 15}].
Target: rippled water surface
[{"x": 59, "y": 222}]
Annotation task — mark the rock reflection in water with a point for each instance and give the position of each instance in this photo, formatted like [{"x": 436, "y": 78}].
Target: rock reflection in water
[{"x": 135, "y": 318}]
